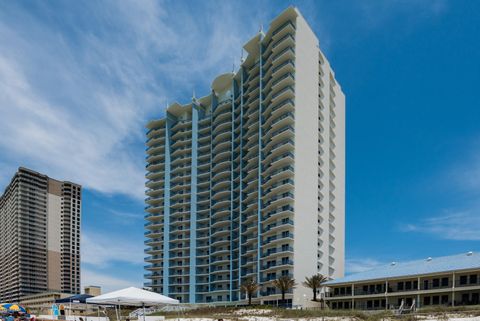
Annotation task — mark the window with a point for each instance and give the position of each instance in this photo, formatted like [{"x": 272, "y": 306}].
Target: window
[
  {"x": 463, "y": 280},
  {"x": 400, "y": 286},
  {"x": 444, "y": 299},
  {"x": 473, "y": 279},
  {"x": 408, "y": 285},
  {"x": 436, "y": 283},
  {"x": 435, "y": 300},
  {"x": 426, "y": 300},
  {"x": 444, "y": 281}
]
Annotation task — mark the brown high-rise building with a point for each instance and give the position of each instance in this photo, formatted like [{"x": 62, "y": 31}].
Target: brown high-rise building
[{"x": 39, "y": 236}]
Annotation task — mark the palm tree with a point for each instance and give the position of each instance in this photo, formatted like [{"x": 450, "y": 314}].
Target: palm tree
[
  {"x": 284, "y": 284},
  {"x": 249, "y": 287},
  {"x": 315, "y": 282}
]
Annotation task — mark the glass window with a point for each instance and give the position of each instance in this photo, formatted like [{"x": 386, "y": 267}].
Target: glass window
[
  {"x": 444, "y": 281},
  {"x": 473, "y": 279}
]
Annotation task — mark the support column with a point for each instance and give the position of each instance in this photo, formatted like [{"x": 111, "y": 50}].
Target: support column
[
  {"x": 232, "y": 167},
  {"x": 453, "y": 289},
  {"x": 193, "y": 204},
  {"x": 386, "y": 295},
  {"x": 213, "y": 106},
  {"x": 260, "y": 158},
  {"x": 418, "y": 294},
  {"x": 353, "y": 296},
  {"x": 240, "y": 187},
  {"x": 170, "y": 119}
]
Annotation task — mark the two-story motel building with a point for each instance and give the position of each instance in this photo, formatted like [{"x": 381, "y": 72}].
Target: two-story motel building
[{"x": 450, "y": 281}]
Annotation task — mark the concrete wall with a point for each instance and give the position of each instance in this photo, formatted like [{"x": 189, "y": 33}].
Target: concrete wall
[
  {"x": 53, "y": 241},
  {"x": 306, "y": 155}
]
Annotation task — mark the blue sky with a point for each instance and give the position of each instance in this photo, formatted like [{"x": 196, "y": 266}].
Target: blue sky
[{"x": 79, "y": 80}]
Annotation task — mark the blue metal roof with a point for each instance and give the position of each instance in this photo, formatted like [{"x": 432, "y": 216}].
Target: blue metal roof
[{"x": 451, "y": 263}]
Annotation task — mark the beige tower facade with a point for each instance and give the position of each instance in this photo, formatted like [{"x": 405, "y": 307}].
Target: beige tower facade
[
  {"x": 248, "y": 182},
  {"x": 39, "y": 236}
]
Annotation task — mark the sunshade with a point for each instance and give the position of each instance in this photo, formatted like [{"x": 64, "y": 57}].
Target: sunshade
[
  {"x": 13, "y": 308},
  {"x": 133, "y": 297}
]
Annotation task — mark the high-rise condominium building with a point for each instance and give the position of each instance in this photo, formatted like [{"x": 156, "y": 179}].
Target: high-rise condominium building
[
  {"x": 39, "y": 236},
  {"x": 248, "y": 182}
]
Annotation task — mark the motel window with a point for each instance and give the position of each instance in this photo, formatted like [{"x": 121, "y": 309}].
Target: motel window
[
  {"x": 444, "y": 281},
  {"x": 435, "y": 300},
  {"x": 334, "y": 305},
  {"x": 365, "y": 289},
  {"x": 436, "y": 283},
  {"x": 475, "y": 298},
  {"x": 342, "y": 291},
  {"x": 336, "y": 291},
  {"x": 473, "y": 279},
  {"x": 426, "y": 300},
  {"x": 400, "y": 286},
  {"x": 444, "y": 299},
  {"x": 372, "y": 288},
  {"x": 463, "y": 280},
  {"x": 408, "y": 285},
  {"x": 369, "y": 304}
]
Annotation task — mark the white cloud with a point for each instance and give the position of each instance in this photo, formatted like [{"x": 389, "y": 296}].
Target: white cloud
[
  {"x": 77, "y": 90},
  {"x": 108, "y": 282},
  {"x": 459, "y": 226},
  {"x": 105, "y": 249},
  {"x": 360, "y": 265}
]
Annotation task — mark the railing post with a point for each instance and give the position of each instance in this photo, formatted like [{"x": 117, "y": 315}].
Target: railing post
[
  {"x": 453, "y": 289},
  {"x": 353, "y": 296},
  {"x": 386, "y": 296},
  {"x": 418, "y": 294}
]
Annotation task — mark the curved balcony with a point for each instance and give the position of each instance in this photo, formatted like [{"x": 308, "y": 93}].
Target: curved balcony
[
  {"x": 274, "y": 110},
  {"x": 281, "y": 212},
  {"x": 155, "y": 158},
  {"x": 155, "y": 183}
]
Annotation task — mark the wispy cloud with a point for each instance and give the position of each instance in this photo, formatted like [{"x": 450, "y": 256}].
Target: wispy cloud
[
  {"x": 108, "y": 282},
  {"x": 106, "y": 249},
  {"x": 77, "y": 89},
  {"x": 459, "y": 226},
  {"x": 360, "y": 265}
]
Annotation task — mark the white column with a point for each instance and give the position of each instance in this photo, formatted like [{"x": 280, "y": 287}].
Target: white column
[{"x": 453, "y": 289}]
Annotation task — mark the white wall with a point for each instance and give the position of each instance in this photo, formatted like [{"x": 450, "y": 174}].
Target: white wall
[{"x": 306, "y": 155}]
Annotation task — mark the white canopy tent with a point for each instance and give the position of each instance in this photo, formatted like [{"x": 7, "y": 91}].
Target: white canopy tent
[{"x": 132, "y": 297}]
